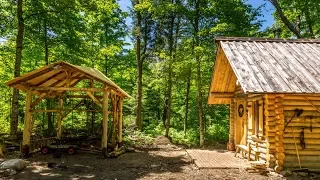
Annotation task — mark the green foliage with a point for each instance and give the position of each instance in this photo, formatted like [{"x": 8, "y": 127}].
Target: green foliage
[{"x": 92, "y": 33}]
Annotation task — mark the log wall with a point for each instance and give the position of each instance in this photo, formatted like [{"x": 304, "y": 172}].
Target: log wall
[
  {"x": 309, "y": 122},
  {"x": 277, "y": 141},
  {"x": 231, "y": 126}
]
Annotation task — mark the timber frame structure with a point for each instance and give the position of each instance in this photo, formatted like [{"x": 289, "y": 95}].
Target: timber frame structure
[
  {"x": 272, "y": 87},
  {"x": 55, "y": 80}
]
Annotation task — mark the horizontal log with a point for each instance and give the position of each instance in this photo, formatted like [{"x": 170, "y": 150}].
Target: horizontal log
[
  {"x": 82, "y": 96},
  {"x": 306, "y": 129},
  {"x": 308, "y": 146},
  {"x": 294, "y": 158},
  {"x": 279, "y": 111},
  {"x": 56, "y": 110},
  {"x": 269, "y": 113},
  {"x": 221, "y": 95},
  {"x": 303, "y": 165},
  {"x": 307, "y": 141},
  {"x": 302, "y": 125},
  {"x": 305, "y": 108},
  {"x": 306, "y": 120},
  {"x": 307, "y": 134},
  {"x": 302, "y": 97},
  {"x": 280, "y": 155},
  {"x": 67, "y": 89},
  {"x": 300, "y": 102},
  {"x": 305, "y": 113}
]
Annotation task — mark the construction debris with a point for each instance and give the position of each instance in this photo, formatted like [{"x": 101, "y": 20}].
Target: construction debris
[{"x": 257, "y": 167}]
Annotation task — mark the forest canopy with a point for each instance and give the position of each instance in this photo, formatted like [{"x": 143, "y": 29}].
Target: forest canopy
[{"x": 167, "y": 70}]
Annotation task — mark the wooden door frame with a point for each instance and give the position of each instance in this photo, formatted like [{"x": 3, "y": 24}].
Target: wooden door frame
[{"x": 240, "y": 123}]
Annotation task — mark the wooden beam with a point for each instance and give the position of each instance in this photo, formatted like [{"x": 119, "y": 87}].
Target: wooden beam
[
  {"x": 70, "y": 110},
  {"x": 27, "y": 121},
  {"x": 95, "y": 100},
  {"x": 114, "y": 120},
  {"x": 59, "y": 72},
  {"x": 221, "y": 95},
  {"x": 36, "y": 102},
  {"x": 60, "y": 119},
  {"x": 44, "y": 110},
  {"x": 57, "y": 110},
  {"x": 82, "y": 96},
  {"x": 30, "y": 75},
  {"x": 105, "y": 114},
  {"x": 67, "y": 89},
  {"x": 120, "y": 121}
]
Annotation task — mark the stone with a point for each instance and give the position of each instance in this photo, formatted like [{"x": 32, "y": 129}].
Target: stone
[
  {"x": 16, "y": 164},
  {"x": 303, "y": 174},
  {"x": 155, "y": 166},
  {"x": 286, "y": 173},
  {"x": 7, "y": 172}
]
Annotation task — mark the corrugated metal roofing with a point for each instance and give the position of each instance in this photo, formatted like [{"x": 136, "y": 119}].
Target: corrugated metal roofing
[{"x": 274, "y": 65}]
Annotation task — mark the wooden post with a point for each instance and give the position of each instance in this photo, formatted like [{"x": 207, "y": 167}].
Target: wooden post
[
  {"x": 279, "y": 133},
  {"x": 114, "y": 120},
  {"x": 60, "y": 118},
  {"x": 105, "y": 114},
  {"x": 27, "y": 124},
  {"x": 120, "y": 121}
]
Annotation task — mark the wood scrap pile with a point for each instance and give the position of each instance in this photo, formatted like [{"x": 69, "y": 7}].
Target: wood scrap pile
[
  {"x": 257, "y": 167},
  {"x": 119, "y": 151}
]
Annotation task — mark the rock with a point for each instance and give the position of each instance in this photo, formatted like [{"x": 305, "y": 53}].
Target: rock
[
  {"x": 286, "y": 173},
  {"x": 7, "y": 172},
  {"x": 303, "y": 174},
  {"x": 154, "y": 165},
  {"x": 16, "y": 164}
]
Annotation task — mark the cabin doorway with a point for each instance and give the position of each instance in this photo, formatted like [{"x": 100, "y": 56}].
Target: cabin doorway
[{"x": 240, "y": 123}]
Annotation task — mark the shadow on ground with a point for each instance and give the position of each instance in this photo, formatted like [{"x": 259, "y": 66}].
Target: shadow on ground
[{"x": 89, "y": 166}]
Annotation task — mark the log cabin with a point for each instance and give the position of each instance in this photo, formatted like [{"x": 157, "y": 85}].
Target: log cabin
[{"x": 272, "y": 87}]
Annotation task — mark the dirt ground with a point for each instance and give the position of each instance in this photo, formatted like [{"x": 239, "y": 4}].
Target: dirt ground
[{"x": 160, "y": 161}]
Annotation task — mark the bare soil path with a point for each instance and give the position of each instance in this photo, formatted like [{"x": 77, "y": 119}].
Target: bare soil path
[{"x": 160, "y": 161}]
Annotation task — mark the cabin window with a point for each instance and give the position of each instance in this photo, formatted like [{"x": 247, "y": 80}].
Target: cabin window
[
  {"x": 255, "y": 117},
  {"x": 258, "y": 118},
  {"x": 250, "y": 118}
]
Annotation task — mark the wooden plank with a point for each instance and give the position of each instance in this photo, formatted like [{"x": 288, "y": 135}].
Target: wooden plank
[
  {"x": 44, "y": 77},
  {"x": 30, "y": 75},
  {"x": 95, "y": 100},
  {"x": 294, "y": 67},
  {"x": 303, "y": 63},
  {"x": 256, "y": 78}
]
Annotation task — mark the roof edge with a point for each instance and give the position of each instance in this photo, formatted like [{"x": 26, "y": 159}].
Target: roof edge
[{"x": 257, "y": 39}]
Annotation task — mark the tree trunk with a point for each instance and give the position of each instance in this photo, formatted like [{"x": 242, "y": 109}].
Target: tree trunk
[
  {"x": 171, "y": 41},
  {"x": 139, "y": 68},
  {"x": 308, "y": 20},
  {"x": 164, "y": 115},
  {"x": 46, "y": 58},
  {"x": 187, "y": 102},
  {"x": 196, "y": 26},
  {"x": 17, "y": 67},
  {"x": 284, "y": 19}
]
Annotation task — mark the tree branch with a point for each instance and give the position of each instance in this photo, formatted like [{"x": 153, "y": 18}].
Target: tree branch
[{"x": 284, "y": 19}]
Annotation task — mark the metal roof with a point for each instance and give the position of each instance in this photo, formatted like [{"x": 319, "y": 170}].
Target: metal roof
[
  {"x": 274, "y": 65},
  {"x": 55, "y": 75}
]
